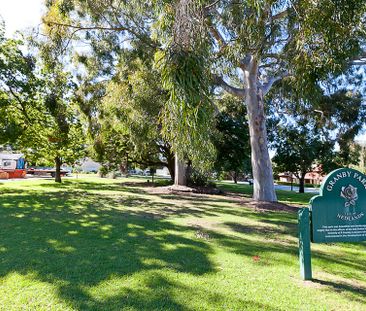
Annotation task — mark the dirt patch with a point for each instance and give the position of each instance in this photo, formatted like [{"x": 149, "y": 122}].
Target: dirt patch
[
  {"x": 143, "y": 184},
  {"x": 202, "y": 223},
  {"x": 262, "y": 206},
  {"x": 259, "y": 206}
]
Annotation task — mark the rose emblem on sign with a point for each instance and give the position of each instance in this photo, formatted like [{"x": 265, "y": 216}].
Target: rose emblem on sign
[{"x": 349, "y": 193}]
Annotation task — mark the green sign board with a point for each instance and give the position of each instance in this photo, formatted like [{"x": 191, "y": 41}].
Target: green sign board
[{"x": 338, "y": 213}]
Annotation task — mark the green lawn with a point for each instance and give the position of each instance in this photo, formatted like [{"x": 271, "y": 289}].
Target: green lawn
[{"x": 97, "y": 244}]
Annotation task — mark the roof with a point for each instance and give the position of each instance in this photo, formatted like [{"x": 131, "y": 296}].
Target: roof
[{"x": 11, "y": 156}]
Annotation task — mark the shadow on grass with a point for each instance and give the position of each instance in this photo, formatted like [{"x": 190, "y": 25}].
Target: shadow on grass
[
  {"x": 341, "y": 287},
  {"x": 81, "y": 241},
  {"x": 97, "y": 186},
  {"x": 78, "y": 240},
  {"x": 267, "y": 231}
]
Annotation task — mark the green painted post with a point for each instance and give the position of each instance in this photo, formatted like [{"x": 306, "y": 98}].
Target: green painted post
[{"x": 304, "y": 244}]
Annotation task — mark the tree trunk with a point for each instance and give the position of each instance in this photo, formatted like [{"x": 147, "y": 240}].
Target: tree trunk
[
  {"x": 302, "y": 183},
  {"x": 171, "y": 165},
  {"x": 261, "y": 163},
  {"x": 123, "y": 167},
  {"x": 180, "y": 178},
  {"x": 58, "y": 169},
  {"x": 235, "y": 178}
]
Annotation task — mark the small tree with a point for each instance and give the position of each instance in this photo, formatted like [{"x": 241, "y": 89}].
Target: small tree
[{"x": 298, "y": 148}]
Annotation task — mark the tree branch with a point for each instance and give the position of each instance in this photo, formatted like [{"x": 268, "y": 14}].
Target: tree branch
[
  {"x": 217, "y": 36},
  {"x": 21, "y": 103},
  {"x": 96, "y": 27},
  {"x": 209, "y": 6},
  {"x": 267, "y": 86},
  {"x": 219, "y": 81},
  {"x": 280, "y": 15}
]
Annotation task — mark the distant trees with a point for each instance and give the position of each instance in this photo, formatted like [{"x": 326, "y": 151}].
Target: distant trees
[
  {"x": 323, "y": 136},
  {"x": 299, "y": 148},
  {"x": 231, "y": 138},
  {"x": 57, "y": 136}
]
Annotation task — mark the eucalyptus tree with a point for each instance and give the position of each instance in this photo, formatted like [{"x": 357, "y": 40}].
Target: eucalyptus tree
[
  {"x": 259, "y": 43},
  {"x": 183, "y": 62}
]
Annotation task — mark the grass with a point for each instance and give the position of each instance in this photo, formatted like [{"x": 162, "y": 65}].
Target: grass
[
  {"x": 98, "y": 244},
  {"x": 288, "y": 197}
]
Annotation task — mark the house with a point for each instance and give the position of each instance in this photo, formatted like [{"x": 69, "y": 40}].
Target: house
[
  {"x": 315, "y": 177},
  {"x": 88, "y": 165},
  {"x": 163, "y": 171}
]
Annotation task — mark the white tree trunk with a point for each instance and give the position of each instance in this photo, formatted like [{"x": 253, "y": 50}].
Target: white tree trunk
[
  {"x": 180, "y": 178},
  {"x": 261, "y": 162}
]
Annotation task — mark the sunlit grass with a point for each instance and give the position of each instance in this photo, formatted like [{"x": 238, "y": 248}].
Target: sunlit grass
[
  {"x": 288, "y": 197},
  {"x": 101, "y": 244}
]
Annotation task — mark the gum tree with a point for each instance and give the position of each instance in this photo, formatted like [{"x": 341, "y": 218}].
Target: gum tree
[{"x": 260, "y": 43}]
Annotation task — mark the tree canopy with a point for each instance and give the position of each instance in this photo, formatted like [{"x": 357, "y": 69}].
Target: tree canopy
[{"x": 166, "y": 61}]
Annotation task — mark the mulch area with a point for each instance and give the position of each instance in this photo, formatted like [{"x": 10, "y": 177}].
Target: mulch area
[{"x": 260, "y": 206}]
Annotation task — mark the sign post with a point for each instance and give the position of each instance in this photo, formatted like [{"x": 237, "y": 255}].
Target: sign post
[
  {"x": 304, "y": 244},
  {"x": 337, "y": 214}
]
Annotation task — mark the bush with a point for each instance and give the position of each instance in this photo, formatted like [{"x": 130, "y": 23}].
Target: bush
[
  {"x": 103, "y": 171},
  {"x": 199, "y": 179}
]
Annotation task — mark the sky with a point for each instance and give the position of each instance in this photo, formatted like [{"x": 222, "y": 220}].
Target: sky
[{"x": 20, "y": 14}]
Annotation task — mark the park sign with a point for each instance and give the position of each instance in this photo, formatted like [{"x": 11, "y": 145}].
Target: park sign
[{"x": 337, "y": 214}]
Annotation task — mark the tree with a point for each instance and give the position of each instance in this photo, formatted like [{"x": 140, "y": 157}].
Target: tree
[
  {"x": 186, "y": 114},
  {"x": 298, "y": 148},
  {"x": 267, "y": 41},
  {"x": 57, "y": 136},
  {"x": 231, "y": 138},
  {"x": 129, "y": 124},
  {"x": 19, "y": 90},
  {"x": 254, "y": 45},
  {"x": 37, "y": 114}
]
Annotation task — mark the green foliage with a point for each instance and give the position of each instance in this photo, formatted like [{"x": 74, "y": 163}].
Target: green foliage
[
  {"x": 127, "y": 125},
  {"x": 338, "y": 117},
  {"x": 19, "y": 90},
  {"x": 198, "y": 178},
  {"x": 299, "y": 147},
  {"x": 188, "y": 114},
  {"x": 306, "y": 42},
  {"x": 231, "y": 137}
]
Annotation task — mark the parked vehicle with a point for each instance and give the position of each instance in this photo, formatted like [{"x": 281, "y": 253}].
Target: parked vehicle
[
  {"x": 43, "y": 171},
  {"x": 12, "y": 165}
]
